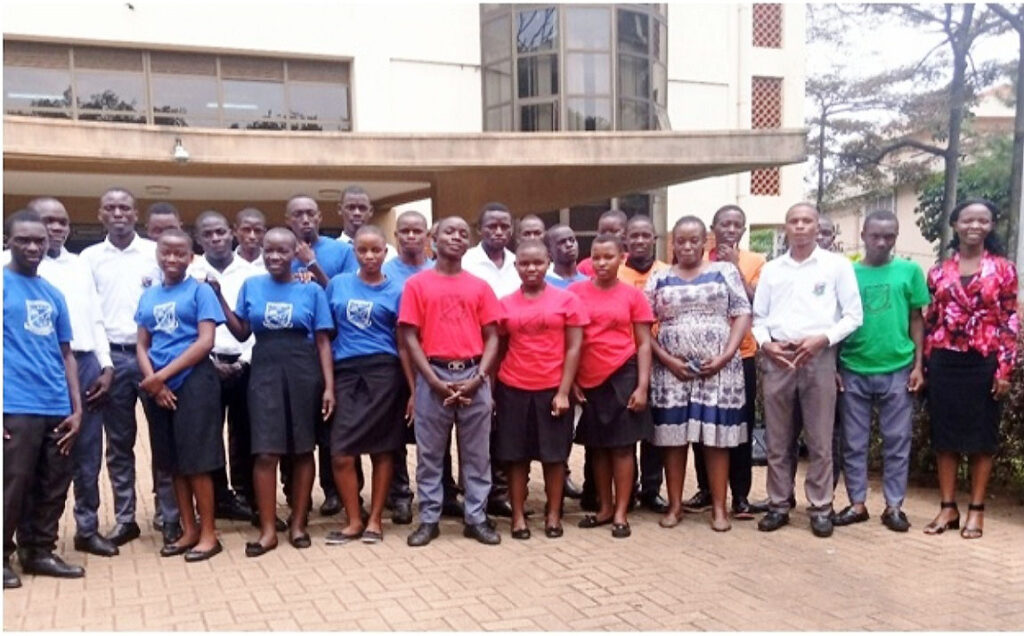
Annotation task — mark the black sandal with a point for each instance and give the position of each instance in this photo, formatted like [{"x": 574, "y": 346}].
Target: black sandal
[
  {"x": 952, "y": 524},
  {"x": 969, "y": 531}
]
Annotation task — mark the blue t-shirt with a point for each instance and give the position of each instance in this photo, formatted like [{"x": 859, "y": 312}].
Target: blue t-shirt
[
  {"x": 272, "y": 306},
  {"x": 334, "y": 257},
  {"x": 400, "y": 272},
  {"x": 366, "y": 316},
  {"x": 172, "y": 315},
  {"x": 36, "y": 322},
  {"x": 563, "y": 283}
]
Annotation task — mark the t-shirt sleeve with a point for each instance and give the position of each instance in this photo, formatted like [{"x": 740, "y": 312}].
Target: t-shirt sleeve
[
  {"x": 243, "y": 296},
  {"x": 755, "y": 274},
  {"x": 140, "y": 309},
  {"x": 207, "y": 305},
  {"x": 64, "y": 333},
  {"x": 575, "y": 313},
  {"x": 919, "y": 296},
  {"x": 409, "y": 309},
  {"x": 503, "y": 321},
  {"x": 488, "y": 309},
  {"x": 322, "y": 319},
  {"x": 639, "y": 308},
  {"x": 739, "y": 305},
  {"x": 348, "y": 259}
]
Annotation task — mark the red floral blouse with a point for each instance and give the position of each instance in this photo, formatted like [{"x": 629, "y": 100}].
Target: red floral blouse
[{"x": 981, "y": 317}]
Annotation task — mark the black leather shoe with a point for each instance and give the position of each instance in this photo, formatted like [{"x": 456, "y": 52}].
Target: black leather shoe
[
  {"x": 11, "y": 580},
  {"x": 571, "y": 490},
  {"x": 743, "y": 509},
  {"x": 95, "y": 544},
  {"x": 482, "y": 533},
  {"x": 452, "y": 508},
  {"x": 194, "y": 555},
  {"x": 331, "y": 506},
  {"x": 402, "y": 513},
  {"x": 424, "y": 534},
  {"x": 171, "y": 532},
  {"x": 821, "y": 525},
  {"x": 654, "y": 503},
  {"x": 773, "y": 521},
  {"x": 499, "y": 508},
  {"x": 233, "y": 508},
  {"x": 895, "y": 520},
  {"x": 49, "y": 564},
  {"x": 700, "y": 502},
  {"x": 123, "y": 533},
  {"x": 849, "y": 515}
]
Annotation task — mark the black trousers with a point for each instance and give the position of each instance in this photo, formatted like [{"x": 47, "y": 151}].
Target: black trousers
[
  {"x": 740, "y": 463},
  {"x": 235, "y": 406},
  {"x": 36, "y": 482}
]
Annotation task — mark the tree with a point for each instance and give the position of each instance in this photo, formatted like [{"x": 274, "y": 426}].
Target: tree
[{"x": 1016, "y": 229}]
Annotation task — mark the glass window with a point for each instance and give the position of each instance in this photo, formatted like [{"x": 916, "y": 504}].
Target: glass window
[
  {"x": 249, "y": 104},
  {"x": 661, "y": 43},
  {"x": 29, "y": 90},
  {"x": 634, "y": 32},
  {"x": 537, "y": 30},
  {"x": 588, "y": 74},
  {"x": 634, "y": 115},
  {"x": 660, "y": 81},
  {"x": 589, "y": 114},
  {"x": 538, "y": 76},
  {"x": 321, "y": 106},
  {"x": 633, "y": 204},
  {"x": 550, "y": 217},
  {"x": 584, "y": 218},
  {"x": 588, "y": 28},
  {"x": 184, "y": 100},
  {"x": 634, "y": 77},
  {"x": 497, "y": 39},
  {"x": 498, "y": 119},
  {"x": 111, "y": 96},
  {"x": 498, "y": 84},
  {"x": 538, "y": 117}
]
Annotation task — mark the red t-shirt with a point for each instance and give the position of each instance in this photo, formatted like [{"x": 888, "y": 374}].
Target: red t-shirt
[
  {"x": 586, "y": 267},
  {"x": 536, "y": 337},
  {"x": 608, "y": 339},
  {"x": 449, "y": 311}
]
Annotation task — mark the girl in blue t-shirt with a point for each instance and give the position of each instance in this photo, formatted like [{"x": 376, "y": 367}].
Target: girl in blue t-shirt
[
  {"x": 372, "y": 380},
  {"x": 291, "y": 384},
  {"x": 176, "y": 322}
]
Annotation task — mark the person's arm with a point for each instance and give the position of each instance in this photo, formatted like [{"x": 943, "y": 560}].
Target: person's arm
[
  {"x": 642, "y": 335},
  {"x": 155, "y": 382},
  {"x": 916, "y": 380},
  {"x": 163, "y": 396},
  {"x": 304, "y": 252},
  {"x": 410, "y": 378},
  {"x": 323, "y": 350},
  {"x": 69, "y": 426},
  {"x": 737, "y": 330},
  {"x": 97, "y": 392},
  {"x": 410, "y": 335},
  {"x": 573, "y": 346},
  {"x": 676, "y": 366},
  {"x": 1008, "y": 328},
  {"x": 851, "y": 317},
  {"x": 238, "y": 327},
  {"x": 467, "y": 388}
]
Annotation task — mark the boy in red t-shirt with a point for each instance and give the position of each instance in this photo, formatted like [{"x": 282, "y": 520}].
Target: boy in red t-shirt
[
  {"x": 612, "y": 381},
  {"x": 448, "y": 323}
]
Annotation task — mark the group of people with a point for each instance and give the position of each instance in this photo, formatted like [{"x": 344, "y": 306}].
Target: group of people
[{"x": 348, "y": 347}]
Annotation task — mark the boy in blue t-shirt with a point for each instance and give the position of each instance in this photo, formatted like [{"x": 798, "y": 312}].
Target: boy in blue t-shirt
[
  {"x": 42, "y": 406},
  {"x": 321, "y": 256}
]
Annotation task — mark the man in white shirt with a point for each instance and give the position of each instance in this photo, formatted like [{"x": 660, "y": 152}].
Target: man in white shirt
[
  {"x": 231, "y": 358},
  {"x": 122, "y": 266},
  {"x": 356, "y": 210},
  {"x": 249, "y": 229},
  {"x": 806, "y": 303}
]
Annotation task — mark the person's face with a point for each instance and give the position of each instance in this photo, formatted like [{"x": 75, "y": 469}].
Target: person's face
[
  {"x": 495, "y": 229},
  {"x": 173, "y": 254},
  {"x": 411, "y": 235},
  {"x": 973, "y": 225},
  {"x": 250, "y": 232},
  {"x": 278, "y": 253},
  {"x": 612, "y": 225},
  {"x": 729, "y": 228},
  {"x": 27, "y": 243},
  {"x": 531, "y": 229},
  {"x": 640, "y": 240},
  {"x": 117, "y": 213},
  {"x": 826, "y": 234},
  {"x": 370, "y": 252},
  {"x": 57, "y": 223},
  {"x": 564, "y": 247},
  {"x": 879, "y": 238},
  {"x": 688, "y": 244},
  {"x": 303, "y": 218},
  {"x": 532, "y": 264},
  {"x": 214, "y": 237},
  {"x": 801, "y": 227},
  {"x": 452, "y": 238},
  {"x": 160, "y": 223},
  {"x": 355, "y": 210},
  {"x": 606, "y": 258}
]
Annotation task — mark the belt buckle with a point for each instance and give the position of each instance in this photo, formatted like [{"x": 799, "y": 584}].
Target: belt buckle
[{"x": 457, "y": 365}]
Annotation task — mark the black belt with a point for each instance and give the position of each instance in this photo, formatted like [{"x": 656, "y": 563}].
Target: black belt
[
  {"x": 455, "y": 365},
  {"x": 226, "y": 358},
  {"x": 123, "y": 348},
  {"x": 79, "y": 354}
]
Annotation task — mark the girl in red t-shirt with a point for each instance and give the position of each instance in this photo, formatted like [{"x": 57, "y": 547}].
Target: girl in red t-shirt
[
  {"x": 542, "y": 332},
  {"x": 612, "y": 381}
]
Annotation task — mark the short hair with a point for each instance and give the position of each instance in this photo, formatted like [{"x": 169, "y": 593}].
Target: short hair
[
  {"x": 729, "y": 207},
  {"x": 161, "y": 208},
  {"x": 614, "y": 212},
  {"x": 532, "y": 243},
  {"x": 274, "y": 231},
  {"x": 370, "y": 229},
  {"x": 493, "y": 206},
  {"x": 353, "y": 189},
  {"x": 639, "y": 218},
  {"x": 803, "y": 204},
  {"x": 441, "y": 223},
  {"x": 607, "y": 237},
  {"x": 531, "y": 217},
  {"x": 413, "y": 213},
  {"x": 37, "y": 202},
  {"x": 210, "y": 214},
  {"x": 690, "y": 219},
  {"x": 550, "y": 231},
  {"x": 880, "y": 215},
  {"x": 121, "y": 190},
  {"x": 250, "y": 212},
  {"x": 25, "y": 215},
  {"x": 174, "y": 233},
  {"x": 301, "y": 195}
]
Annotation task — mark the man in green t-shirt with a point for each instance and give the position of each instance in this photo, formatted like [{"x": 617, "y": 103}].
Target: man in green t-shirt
[{"x": 881, "y": 365}]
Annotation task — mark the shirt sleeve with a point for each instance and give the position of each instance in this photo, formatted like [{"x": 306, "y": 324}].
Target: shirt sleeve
[
  {"x": 848, "y": 297},
  {"x": 762, "y": 305},
  {"x": 409, "y": 312},
  {"x": 738, "y": 303},
  {"x": 488, "y": 309},
  {"x": 99, "y": 333},
  {"x": 639, "y": 308},
  {"x": 1009, "y": 326},
  {"x": 931, "y": 312},
  {"x": 207, "y": 305},
  {"x": 139, "y": 311},
  {"x": 919, "y": 295},
  {"x": 575, "y": 313},
  {"x": 348, "y": 259},
  {"x": 63, "y": 326},
  {"x": 322, "y": 319}
]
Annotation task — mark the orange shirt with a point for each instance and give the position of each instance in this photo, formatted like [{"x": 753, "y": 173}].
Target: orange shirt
[
  {"x": 750, "y": 264},
  {"x": 637, "y": 279}
]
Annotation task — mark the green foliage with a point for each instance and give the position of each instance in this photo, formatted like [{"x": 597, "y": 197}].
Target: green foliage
[{"x": 761, "y": 241}]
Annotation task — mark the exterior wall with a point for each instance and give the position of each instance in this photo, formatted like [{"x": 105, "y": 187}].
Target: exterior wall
[{"x": 849, "y": 219}]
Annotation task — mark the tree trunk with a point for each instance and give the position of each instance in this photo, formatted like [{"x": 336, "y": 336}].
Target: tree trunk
[
  {"x": 961, "y": 42},
  {"x": 1016, "y": 211},
  {"x": 821, "y": 160}
]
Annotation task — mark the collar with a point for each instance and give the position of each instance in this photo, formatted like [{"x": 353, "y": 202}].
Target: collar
[
  {"x": 478, "y": 254},
  {"x": 63, "y": 257},
  {"x": 814, "y": 257},
  {"x": 134, "y": 246}
]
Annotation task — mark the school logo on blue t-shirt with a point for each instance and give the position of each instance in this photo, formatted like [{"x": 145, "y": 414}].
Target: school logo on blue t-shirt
[
  {"x": 38, "y": 317},
  {"x": 278, "y": 316},
  {"x": 358, "y": 312},
  {"x": 166, "y": 317}
]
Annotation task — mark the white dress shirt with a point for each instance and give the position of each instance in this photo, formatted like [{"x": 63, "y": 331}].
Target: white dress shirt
[
  {"x": 818, "y": 296},
  {"x": 390, "y": 254},
  {"x": 72, "y": 278},
  {"x": 231, "y": 280},
  {"x": 120, "y": 277},
  {"x": 256, "y": 263},
  {"x": 503, "y": 281}
]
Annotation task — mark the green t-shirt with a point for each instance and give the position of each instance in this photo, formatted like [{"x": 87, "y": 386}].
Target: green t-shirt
[{"x": 882, "y": 344}]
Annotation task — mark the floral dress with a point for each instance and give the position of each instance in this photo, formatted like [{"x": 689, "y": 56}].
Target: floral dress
[{"x": 694, "y": 321}]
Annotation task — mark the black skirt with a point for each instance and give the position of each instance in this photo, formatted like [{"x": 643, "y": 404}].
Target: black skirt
[
  {"x": 964, "y": 418},
  {"x": 286, "y": 391},
  {"x": 525, "y": 429},
  {"x": 369, "y": 416},
  {"x": 605, "y": 421},
  {"x": 190, "y": 439}
]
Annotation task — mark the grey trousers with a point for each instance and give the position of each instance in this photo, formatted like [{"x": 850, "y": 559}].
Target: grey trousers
[
  {"x": 121, "y": 428},
  {"x": 887, "y": 391},
  {"x": 813, "y": 388},
  {"x": 88, "y": 452},
  {"x": 433, "y": 426}
]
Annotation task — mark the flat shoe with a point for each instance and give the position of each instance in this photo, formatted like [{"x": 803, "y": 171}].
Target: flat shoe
[
  {"x": 621, "y": 530},
  {"x": 370, "y": 536},
  {"x": 337, "y": 537},
  {"x": 255, "y": 549},
  {"x": 172, "y": 550},
  {"x": 669, "y": 521},
  {"x": 301, "y": 541},
  {"x": 718, "y": 528},
  {"x": 591, "y": 521},
  {"x": 193, "y": 555},
  {"x": 553, "y": 532},
  {"x": 521, "y": 533}
]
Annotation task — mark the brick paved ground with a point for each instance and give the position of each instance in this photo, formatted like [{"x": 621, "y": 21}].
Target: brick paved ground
[{"x": 685, "y": 578}]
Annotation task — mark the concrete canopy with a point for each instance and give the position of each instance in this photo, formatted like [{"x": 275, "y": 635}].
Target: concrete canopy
[{"x": 459, "y": 172}]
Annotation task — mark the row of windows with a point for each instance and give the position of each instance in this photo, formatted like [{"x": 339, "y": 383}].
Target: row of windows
[{"x": 174, "y": 89}]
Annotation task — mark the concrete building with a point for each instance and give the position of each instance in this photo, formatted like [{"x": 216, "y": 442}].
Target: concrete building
[{"x": 658, "y": 109}]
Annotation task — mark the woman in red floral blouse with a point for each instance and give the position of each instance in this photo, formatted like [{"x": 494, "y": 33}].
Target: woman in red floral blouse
[{"x": 971, "y": 347}]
